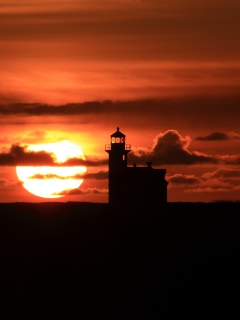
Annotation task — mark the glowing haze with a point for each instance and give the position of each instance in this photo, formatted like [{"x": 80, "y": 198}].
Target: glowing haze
[{"x": 166, "y": 72}]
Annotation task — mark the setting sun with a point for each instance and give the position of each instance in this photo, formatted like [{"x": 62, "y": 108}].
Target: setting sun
[{"x": 53, "y": 181}]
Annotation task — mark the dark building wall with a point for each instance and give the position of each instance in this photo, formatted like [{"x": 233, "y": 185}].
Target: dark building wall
[
  {"x": 140, "y": 185},
  {"x": 145, "y": 184}
]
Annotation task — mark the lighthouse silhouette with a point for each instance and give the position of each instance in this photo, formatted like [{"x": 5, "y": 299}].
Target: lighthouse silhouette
[{"x": 133, "y": 185}]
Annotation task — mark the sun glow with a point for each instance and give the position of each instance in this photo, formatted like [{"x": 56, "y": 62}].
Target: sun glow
[{"x": 51, "y": 181}]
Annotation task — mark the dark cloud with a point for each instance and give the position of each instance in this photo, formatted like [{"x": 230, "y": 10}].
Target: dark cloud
[
  {"x": 214, "y": 137},
  {"x": 46, "y": 109},
  {"x": 212, "y": 189},
  {"x": 192, "y": 107},
  {"x": 74, "y": 192},
  {"x": 198, "y": 111},
  {"x": 230, "y": 159},
  {"x": 169, "y": 148},
  {"x": 219, "y": 136},
  {"x": 101, "y": 175},
  {"x": 19, "y": 155},
  {"x": 89, "y": 162},
  {"x": 221, "y": 180},
  {"x": 223, "y": 173},
  {"x": 181, "y": 179},
  {"x": 214, "y": 186}
]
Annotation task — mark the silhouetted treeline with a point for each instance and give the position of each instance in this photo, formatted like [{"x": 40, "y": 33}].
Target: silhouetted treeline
[{"x": 66, "y": 260}]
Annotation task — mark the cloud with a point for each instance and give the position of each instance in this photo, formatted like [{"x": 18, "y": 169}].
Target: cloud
[
  {"x": 74, "y": 192},
  {"x": 101, "y": 175},
  {"x": 221, "y": 180},
  {"x": 212, "y": 189},
  {"x": 214, "y": 137},
  {"x": 181, "y": 179},
  {"x": 19, "y": 155},
  {"x": 234, "y": 135},
  {"x": 35, "y": 109},
  {"x": 170, "y": 148},
  {"x": 48, "y": 176},
  {"x": 230, "y": 159},
  {"x": 4, "y": 183},
  {"x": 223, "y": 173},
  {"x": 164, "y": 108},
  {"x": 219, "y": 136},
  {"x": 90, "y": 162}
]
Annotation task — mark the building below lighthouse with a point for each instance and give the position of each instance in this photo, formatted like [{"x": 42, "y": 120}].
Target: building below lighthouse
[{"x": 133, "y": 185}]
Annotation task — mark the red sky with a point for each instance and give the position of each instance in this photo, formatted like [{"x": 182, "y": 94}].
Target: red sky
[{"x": 166, "y": 72}]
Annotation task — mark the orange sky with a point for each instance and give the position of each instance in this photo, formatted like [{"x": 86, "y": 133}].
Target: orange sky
[{"x": 158, "y": 65}]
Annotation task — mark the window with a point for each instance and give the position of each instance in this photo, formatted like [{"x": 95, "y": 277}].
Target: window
[{"x": 117, "y": 140}]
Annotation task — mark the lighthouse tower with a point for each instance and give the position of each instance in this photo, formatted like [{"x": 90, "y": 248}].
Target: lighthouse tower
[{"x": 118, "y": 151}]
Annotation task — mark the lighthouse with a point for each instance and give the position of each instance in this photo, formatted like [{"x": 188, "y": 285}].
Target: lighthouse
[
  {"x": 118, "y": 151},
  {"x": 134, "y": 185}
]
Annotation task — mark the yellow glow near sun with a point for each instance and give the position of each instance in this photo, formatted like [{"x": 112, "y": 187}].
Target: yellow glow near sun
[{"x": 50, "y": 181}]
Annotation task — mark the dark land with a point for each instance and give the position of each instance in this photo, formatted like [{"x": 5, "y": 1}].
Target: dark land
[{"x": 90, "y": 261}]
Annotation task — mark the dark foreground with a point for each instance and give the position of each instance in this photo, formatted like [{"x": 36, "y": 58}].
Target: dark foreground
[{"x": 91, "y": 261}]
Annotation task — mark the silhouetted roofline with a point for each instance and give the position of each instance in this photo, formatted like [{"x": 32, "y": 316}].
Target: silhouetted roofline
[{"x": 118, "y": 133}]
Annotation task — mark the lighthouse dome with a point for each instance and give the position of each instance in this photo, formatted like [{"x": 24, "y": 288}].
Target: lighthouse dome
[{"x": 118, "y": 133}]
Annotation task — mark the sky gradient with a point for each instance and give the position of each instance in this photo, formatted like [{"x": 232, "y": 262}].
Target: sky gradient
[{"x": 166, "y": 72}]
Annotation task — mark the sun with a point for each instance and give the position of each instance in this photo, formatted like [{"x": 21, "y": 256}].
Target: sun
[{"x": 50, "y": 181}]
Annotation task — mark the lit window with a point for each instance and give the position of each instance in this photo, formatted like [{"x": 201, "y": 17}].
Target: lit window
[
  {"x": 118, "y": 140},
  {"x": 113, "y": 140}
]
